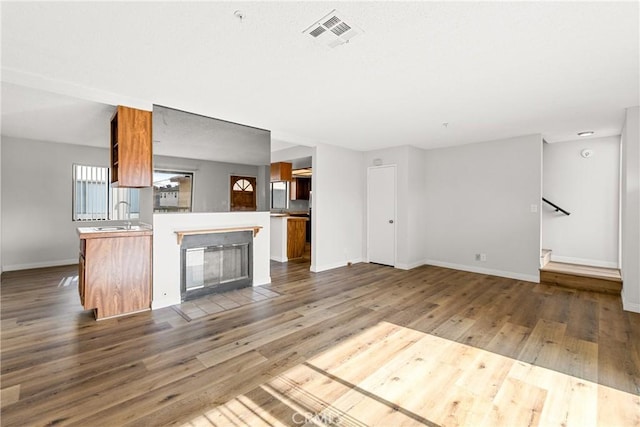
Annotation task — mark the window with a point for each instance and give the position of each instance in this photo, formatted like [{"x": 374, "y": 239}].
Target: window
[
  {"x": 172, "y": 191},
  {"x": 95, "y": 200},
  {"x": 242, "y": 185}
]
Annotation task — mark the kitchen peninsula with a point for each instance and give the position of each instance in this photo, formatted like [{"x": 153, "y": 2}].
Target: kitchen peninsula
[
  {"x": 288, "y": 236},
  {"x": 114, "y": 276}
]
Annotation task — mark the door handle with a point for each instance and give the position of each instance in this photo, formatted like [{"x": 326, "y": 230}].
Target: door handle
[{"x": 390, "y": 221}]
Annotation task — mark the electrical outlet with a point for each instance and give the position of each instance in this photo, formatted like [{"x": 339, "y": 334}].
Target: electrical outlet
[
  {"x": 477, "y": 257},
  {"x": 483, "y": 257}
]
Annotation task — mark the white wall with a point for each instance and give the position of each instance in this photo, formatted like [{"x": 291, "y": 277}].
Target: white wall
[
  {"x": 416, "y": 215},
  {"x": 338, "y": 207},
  {"x": 288, "y": 154},
  {"x": 166, "y": 250},
  {"x": 479, "y": 199},
  {"x": 37, "y": 230},
  {"x": 146, "y": 205},
  {"x": 1, "y": 264},
  {"x": 630, "y": 210},
  {"x": 410, "y": 196},
  {"x": 278, "y": 234},
  {"x": 589, "y": 189}
]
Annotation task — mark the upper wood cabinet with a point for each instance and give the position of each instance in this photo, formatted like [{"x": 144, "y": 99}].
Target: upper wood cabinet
[
  {"x": 131, "y": 148},
  {"x": 300, "y": 188},
  {"x": 281, "y": 171}
]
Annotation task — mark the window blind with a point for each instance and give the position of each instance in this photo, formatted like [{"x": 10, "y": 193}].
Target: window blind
[{"x": 90, "y": 193}]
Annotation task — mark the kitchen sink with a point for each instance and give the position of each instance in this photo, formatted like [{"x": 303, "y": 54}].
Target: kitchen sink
[{"x": 118, "y": 228}]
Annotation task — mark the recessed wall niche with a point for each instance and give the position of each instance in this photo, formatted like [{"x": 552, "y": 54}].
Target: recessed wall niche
[{"x": 212, "y": 150}]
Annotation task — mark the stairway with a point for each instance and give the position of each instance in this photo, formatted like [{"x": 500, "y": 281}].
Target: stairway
[
  {"x": 545, "y": 257},
  {"x": 583, "y": 277}
]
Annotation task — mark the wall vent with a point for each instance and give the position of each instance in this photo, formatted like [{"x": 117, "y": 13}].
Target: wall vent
[{"x": 332, "y": 30}]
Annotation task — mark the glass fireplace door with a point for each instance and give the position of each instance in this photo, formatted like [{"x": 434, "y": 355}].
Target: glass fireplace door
[{"x": 216, "y": 265}]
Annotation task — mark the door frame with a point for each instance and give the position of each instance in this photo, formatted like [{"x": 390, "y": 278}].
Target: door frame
[{"x": 395, "y": 210}]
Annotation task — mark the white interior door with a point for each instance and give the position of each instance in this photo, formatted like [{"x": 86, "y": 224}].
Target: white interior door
[{"x": 381, "y": 214}]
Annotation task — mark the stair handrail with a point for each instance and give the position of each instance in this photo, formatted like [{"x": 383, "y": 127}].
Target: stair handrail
[{"x": 558, "y": 208}]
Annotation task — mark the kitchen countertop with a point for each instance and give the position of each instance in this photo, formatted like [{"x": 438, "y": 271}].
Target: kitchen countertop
[
  {"x": 286, "y": 216},
  {"x": 108, "y": 231},
  {"x": 292, "y": 213}
]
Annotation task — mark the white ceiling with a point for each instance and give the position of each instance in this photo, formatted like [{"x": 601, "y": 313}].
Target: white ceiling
[
  {"x": 489, "y": 69},
  {"x": 45, "y": 116}
]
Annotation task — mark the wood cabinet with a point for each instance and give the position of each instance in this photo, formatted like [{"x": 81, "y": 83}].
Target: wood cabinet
[
  {"x": 131, "y": 148},
  {"x": 114, "y": 276},
  {"x": 296, "y": 236},
  {"x": 81, "y": 273},
  {"x": 300, "y": 189},
  {"x": 281, "y": 171}
]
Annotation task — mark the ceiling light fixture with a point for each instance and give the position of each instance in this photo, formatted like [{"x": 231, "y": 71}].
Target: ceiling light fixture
[
  {"x": 302, "y": 172},
  {"x": 586, "y": 133}
]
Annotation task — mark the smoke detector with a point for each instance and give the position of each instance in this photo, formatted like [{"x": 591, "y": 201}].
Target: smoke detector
[
  {"x": 333, "y": 30},
  {"x": 586, "y": 153}
]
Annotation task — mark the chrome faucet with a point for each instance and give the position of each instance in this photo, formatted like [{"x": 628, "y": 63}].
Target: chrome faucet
[{"x": 128, "y": 213}]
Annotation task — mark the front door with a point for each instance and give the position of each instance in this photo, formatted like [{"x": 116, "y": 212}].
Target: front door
[
  {"x": 381, "y": 214},
  {"x": 243, "y": 193}
]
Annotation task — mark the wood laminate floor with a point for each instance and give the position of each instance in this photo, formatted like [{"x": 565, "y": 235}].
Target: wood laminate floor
[{"x": 359, "y": 345}]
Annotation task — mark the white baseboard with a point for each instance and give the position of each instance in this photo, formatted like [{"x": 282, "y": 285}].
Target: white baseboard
[
  {"x": 491, "y": 272},
  {"x": 278, "y": 259},
  {"x": 318, "y": 269},
  {"x": 162, "y": 303},
  {"x": 31, "y": 265},
  {"x": 584, "y": 261},
  {"x": 409, "y": 266},
  {"x": 628, "y": 306},
  {"x": 261, "y": 281}
]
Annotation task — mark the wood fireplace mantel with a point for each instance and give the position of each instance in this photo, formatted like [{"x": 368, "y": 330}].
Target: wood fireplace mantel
[{"x": 181, "y": 233}]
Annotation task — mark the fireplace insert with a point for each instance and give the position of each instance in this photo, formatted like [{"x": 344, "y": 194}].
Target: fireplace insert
[{"x": 216, "y": 262}]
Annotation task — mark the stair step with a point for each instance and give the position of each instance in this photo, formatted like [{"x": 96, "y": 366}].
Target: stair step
[
  {"x": 545, "y": 257},
  {"x": 583, "y": 277}
]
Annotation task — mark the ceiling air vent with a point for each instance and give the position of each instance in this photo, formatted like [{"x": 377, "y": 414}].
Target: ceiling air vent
[
  {"x": 317, "y": 31},
  {"x": 332, "y": 30}
]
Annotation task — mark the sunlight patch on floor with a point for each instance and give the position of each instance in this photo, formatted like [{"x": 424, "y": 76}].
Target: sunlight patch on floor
[
  {"x": 68, "y": 281},
  {"x": 391, "y": 375}
]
